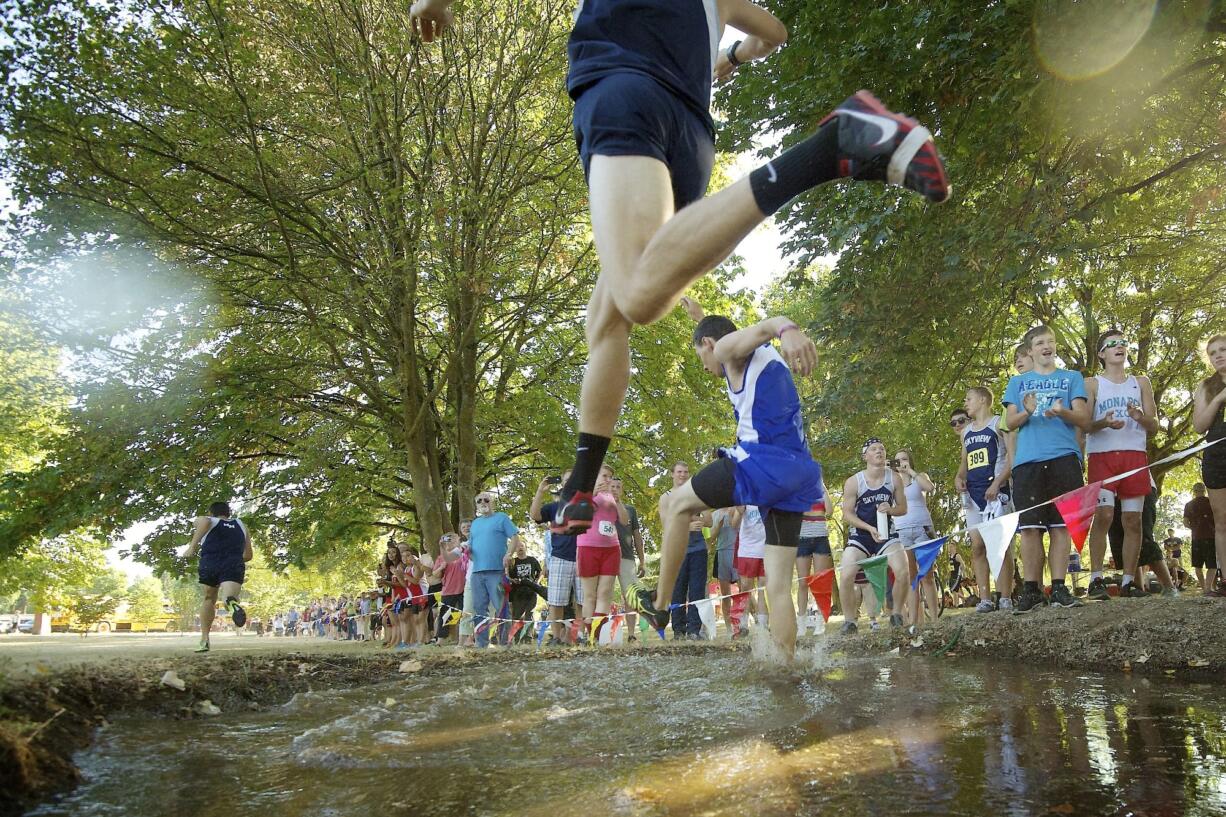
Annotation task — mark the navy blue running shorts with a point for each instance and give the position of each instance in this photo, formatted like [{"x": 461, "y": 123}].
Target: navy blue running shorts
[
  {"x": 213, "y": 572},
  {"x": 814, "y": 546},
  {"x": 631, "y": 114}
]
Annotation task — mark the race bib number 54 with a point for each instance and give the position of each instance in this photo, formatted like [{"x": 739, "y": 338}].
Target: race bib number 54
[{"x": 606, "y": 528}]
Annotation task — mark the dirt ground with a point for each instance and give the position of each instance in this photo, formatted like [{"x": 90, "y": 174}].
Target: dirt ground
[{"x": 55, "y": 691}]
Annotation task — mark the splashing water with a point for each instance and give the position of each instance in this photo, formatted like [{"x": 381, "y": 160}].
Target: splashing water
[{"x": 695, "y": 733}]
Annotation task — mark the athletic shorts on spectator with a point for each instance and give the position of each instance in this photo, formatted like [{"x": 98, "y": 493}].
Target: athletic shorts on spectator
[
  {"x": 1038, "y": 482},
  {"x": 599, "y": 561}
]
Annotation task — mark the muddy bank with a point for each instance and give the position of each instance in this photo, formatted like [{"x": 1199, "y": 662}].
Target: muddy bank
[
  {"x": 45, "y": 719},
  {"x": 1184, "y": 637}
]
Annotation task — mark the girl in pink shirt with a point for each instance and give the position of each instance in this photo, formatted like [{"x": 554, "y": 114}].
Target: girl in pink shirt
[{"x": 599, "y": 552}]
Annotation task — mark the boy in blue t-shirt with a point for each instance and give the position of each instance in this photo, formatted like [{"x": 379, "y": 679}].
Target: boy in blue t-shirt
[{"x": 1046, "y": 405}]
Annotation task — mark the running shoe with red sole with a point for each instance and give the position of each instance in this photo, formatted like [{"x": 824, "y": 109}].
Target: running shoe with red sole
[
  {"x": 876, "y": 144},
  {"x": 575, "y": 515}
]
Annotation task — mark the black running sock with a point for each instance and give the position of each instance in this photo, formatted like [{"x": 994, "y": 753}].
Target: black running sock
[
  {"x": 589, "y": 456},
  {"x": 1032, "y": 586},
  {"x": 801, "y": 167},
  {"x": 1057, "y": 583}
]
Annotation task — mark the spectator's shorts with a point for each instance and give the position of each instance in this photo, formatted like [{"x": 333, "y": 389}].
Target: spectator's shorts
[
  {"x": 814, "y": 546},
  {"x": 1038, "y": 482},
  {"x": 1204, "y": 554}
]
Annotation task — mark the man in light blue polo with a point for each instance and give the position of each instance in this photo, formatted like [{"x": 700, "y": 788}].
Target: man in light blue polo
[{"x": 492, "y": 538}]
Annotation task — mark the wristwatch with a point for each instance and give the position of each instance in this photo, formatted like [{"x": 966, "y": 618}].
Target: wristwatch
[{"x": 731, "y": 54}]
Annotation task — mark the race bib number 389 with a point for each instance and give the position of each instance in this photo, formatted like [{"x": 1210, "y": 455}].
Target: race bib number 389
[{"x": 977, "y": 458}]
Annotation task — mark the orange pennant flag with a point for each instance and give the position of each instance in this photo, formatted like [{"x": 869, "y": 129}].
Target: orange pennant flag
[
  {"x": 821, "y": 585},
  {"x": 515, "y": 628}
]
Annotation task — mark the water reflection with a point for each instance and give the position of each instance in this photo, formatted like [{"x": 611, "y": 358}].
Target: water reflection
[{"x": 687, "y": 735}]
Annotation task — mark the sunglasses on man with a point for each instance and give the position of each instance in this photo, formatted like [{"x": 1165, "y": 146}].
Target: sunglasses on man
[{"x": 958, "y": 422}]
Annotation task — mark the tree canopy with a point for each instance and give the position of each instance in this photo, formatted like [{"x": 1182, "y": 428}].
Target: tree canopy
[{"x": 290, "y": 257}]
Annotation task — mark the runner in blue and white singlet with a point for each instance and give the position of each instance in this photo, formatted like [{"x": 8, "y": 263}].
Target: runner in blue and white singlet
[
  {"x": 770, "y": 466},
  {"x": 869, "y": 495},
  {"x": 984, "y": 448},
  {"x": 868, "y": 498},
  {"x": 773, "y": 466}
]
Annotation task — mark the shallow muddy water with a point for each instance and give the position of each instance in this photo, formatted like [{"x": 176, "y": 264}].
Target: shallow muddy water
[{"x": 696, "y": 734}]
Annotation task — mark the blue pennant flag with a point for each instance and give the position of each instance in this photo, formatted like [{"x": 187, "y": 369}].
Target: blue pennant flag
[
  {"x": 541, "y": 627},
  {"x": 926, "y": 554}
]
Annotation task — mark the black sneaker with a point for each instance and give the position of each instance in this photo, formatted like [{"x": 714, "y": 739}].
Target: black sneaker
[
  {"x": 895, "y": 620},
  {"x": 1132, "y": 591},
  {"x": 642, "y": 602},
  {"x": 849, "y": 627},
  {"x": 1061, "y": 597},
  {"x": 1098, "y": 590},
  {"x": 575, "y": 515},
  {"x": 876, "y": 144},
  {"x": 1029, "y": 600},
  {"x": 237, "y": 614}
]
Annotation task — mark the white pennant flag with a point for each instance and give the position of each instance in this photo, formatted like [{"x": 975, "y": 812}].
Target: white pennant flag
[
  {"x": 706, "y": 612},
  {"x": 997, "y": 536}
]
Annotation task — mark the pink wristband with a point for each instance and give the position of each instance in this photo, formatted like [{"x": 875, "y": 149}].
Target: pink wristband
[{"x": 786, "y": 328}]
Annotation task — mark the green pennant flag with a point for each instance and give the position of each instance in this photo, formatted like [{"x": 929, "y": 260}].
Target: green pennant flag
[
  {"x": 875, "y": 571},
  {"x": 643, "y": 625}
]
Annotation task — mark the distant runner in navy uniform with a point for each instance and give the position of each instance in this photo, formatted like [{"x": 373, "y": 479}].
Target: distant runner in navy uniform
[
  {"x": 640, "y": 75},
  {"x": 770, "y": 466},
  {"x": 225, "y": 549}
]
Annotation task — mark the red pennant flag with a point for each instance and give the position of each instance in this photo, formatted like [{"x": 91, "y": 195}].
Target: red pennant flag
[
  {"x": 515, "y": 628},
  {"x": 1077, "y": 510},
  {"x": 617, "y": 622},
  {"x": 821, "y": 585},
  {"x": 575, "y": 624},
  {"x": 740, "y": 602}
]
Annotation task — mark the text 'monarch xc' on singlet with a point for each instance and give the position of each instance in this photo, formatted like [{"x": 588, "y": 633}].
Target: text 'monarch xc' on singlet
[
  {"x": 1115, "y": 397},
  {"x": 675, "y": 42}
]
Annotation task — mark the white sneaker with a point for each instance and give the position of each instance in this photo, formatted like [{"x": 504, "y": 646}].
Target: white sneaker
[{"x": 1005, "y": 603}]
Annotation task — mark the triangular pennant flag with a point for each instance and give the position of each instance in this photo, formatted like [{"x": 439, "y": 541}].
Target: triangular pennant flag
[
  {"x": 540, "y": 632},
  {"x": 575, "y": 624},
  {"x": 706, "y": 614},
  {"x": 926, "y": 554},
  {"x": 482, "y": 625},
  {"x": 997, "y": 537},
  {"x": 643, "y": 625},
  {"x": 515, "y": 628},
  {"x": 821, "y": 585},
  {"x": 614, "y": 626},
  {"x": 453, "y": 617},
  {"x": 875, "y": 571},
  {"x": 438, "y": 597},
  {"x": 594, "y": 631},
  {"x": 1077, "y": 510},
  {"x": 740, "y": 602}
]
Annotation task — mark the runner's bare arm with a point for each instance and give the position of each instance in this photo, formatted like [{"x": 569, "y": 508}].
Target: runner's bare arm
[
  {"x": 765, "y": 33},
  {"x": 201, "y": 524},
  {"x": 1147, "y": 413},
  {"x": 899, "y": 506},
  {"x": 248, "y": 553},
  {"x": 431, "y": 18},
  {"x": 797, "y": 350},
  {"x": 1206, "y": 408}
]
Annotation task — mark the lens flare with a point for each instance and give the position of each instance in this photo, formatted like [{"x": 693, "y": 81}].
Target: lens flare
[{"x": 1079, "y": 40}]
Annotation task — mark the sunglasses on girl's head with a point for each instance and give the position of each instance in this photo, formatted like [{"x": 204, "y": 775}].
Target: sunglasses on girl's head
[{"x": 959, "y": 421}]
